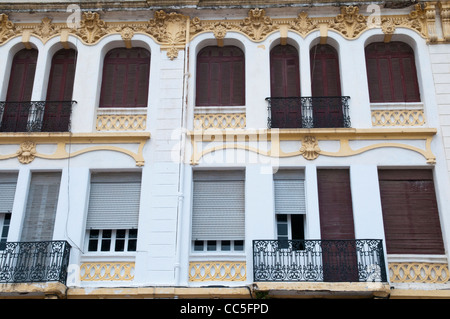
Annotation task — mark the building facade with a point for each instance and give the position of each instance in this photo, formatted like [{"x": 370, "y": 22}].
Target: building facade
[{"x": 224, "y": 149}]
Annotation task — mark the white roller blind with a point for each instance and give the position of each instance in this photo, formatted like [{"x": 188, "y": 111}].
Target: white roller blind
[
  {"x": 114, "y": 201},
  {"x": 8, "y": 182},
  {"x": 289, "y": 193},
  {"x": 41, "y": 207},
  {"x": 218, "y": 206}
]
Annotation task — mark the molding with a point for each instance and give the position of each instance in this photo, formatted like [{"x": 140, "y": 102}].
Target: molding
[
  {"x": 207, "y": 141},
  {"x": 172, "y": 31},
  {"x": 28, "y": 142}
]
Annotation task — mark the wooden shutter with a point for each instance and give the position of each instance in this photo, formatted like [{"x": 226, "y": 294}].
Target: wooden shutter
[
  {"x": 289, "y": 192},
  {"x": 325, "y": 78},
  {"x": 20, "y": 87},
  {"x": 220, "y": 78},
  {"x": 335, "y": 204},
  {"x": 391, "y": 73},
  {"x": 21, "y": 79},
  {"x": 218, "y": 210},
  {"x": 8, "y": 182},
  {"x": 410, "y": 212},
  {"x": 60, "y": 88},
  {"x": 125, "y": 78},
  {"x": 41, "y": 207},
  {"x": 284, "y": 72},
  {"x": 114, "y": 201}
]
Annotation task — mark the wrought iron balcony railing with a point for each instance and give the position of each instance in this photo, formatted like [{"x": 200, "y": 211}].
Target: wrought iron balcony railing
[
  {"x": 35, "y": 116},
  {"x": 308, "y": 112},
  {"x": 319, "y": 260},
  {"x": 24, "y": 262}
]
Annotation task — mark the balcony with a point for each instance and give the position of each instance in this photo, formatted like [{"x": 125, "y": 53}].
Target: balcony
[
  {"x": 35, "y": 116},
  {"x": 29, "y": 262},
  {"x": 308, "y": 112},
  {"x": 360, "y": 260}
]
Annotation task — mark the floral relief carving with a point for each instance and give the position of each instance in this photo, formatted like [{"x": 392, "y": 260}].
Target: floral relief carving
[
  {"x": 349, "y": 22},
  {"x": 26, "y": 153},
  {"x": 92, "y": 28},
  {"x": 7, "y": 28},
  {"x": 303, "y": 24},
  {"x": 257, "y": 25},
  {"x": 310, "y": 148}
]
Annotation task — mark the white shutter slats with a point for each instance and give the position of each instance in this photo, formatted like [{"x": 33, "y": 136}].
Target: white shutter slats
[
  {"x": 8, "y": 184},
  {"x": 114, "y": 201},
  {"x": 289, "y": 189},
  {"x": 41, "y": 207},
  {"x": 219, "y": 209}
]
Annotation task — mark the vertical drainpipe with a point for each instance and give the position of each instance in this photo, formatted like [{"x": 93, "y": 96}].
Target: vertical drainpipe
[{"x": 183, "y": 124}]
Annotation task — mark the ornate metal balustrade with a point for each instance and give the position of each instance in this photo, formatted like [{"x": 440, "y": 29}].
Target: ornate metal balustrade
[
  {"x": 24, "y": 262},
  {"x": 319, "y": 260},
  {"x": 35, "y": 116},
  {"x": 308, "y": 112}
]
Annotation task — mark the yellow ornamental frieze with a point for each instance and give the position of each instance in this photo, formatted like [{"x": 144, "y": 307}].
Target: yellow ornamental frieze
[{"x": 172, "y": 30}]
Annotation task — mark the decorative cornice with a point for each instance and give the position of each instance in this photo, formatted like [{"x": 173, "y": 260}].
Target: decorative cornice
[
  {"x": 173, "y": 30},
  {"x": 267, "y": 142},
  {"x": 28, "y": 143}
]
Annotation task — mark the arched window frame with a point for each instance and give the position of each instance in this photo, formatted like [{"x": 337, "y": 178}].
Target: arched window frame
[
  {"x": 391, "y": 83},
  {"x": 121, "y": 87},
  {"x": 211, "y": 77}
]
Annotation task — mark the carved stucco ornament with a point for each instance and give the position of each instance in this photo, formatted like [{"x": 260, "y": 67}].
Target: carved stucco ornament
[
  {"x": 349, "y": 22},
  {"x": 310, "y": 148},
  {"x": 257, "y": 25},
  {"x": 303, "y": 24},
  {"x": 26, "y": 153}
]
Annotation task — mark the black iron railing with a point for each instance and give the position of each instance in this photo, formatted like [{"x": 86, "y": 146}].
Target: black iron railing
[
  {"x": 319, "y": 260},
  {"x": 35, "y": 116},
  {"x": 308, "y": 112},
  {"x": 22, "y": 262}
]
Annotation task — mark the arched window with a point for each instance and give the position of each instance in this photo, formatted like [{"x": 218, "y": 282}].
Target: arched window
[
  {"x": 325, "y": 78},
  {"x": 62, "y": 73},
  {"x": 391, "y": 73},
  {"x": 59, "y": 92},
  {"x": 285, "y": 106},
  {"x": 20, "y": 87},
  {"x": 220, "y": 76},
  {"x": 327, "y": 104},
  {"x": 21, "y": 79},
  {"x": 125, "y": 78},
  {"x": 284, "y": 72}
]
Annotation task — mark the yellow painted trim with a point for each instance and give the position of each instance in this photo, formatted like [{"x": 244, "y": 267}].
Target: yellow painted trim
[
  {"x": 159, "y": 292},
  {"x": 238, "y": 139},
  {"x": 28, "y": 142},
  {"x": 323, "y": 289},
  {"x": 419, "y": 294}
]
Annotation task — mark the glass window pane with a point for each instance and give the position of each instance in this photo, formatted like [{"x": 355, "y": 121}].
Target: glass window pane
[
  {"x": 239, "y": 245},
  {"x": 198, "y": 245},
  {"x": 226, "y": 245},
  {"x": 211, "y": 245}
]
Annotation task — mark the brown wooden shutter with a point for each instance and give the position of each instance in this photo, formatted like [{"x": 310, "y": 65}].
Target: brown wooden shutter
[
  {"x": 336, "y": 225},
  {"x": 20, "y": 87},
  {"x": 391, "y": 73},
  {"x": 335, "y": 204},
  {"x": 284, "y": 72},
  {"x": 410, "y": 212},
  {"x": 220, "y": 78},
  {"x": 325, "y": 78},
  {"x": 125, "y": 78},
  {"x": 21, "y": 79},
  {"x": 60, "y": 88}
]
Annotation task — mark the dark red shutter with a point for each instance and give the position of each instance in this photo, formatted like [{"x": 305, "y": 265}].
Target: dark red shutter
[
  {"x": 125, "y": 78},
  {"x": 220, "y": 77},
  {"x": 410, "y": 212},
  {"x": 325, "y": 78},
  {"x": 285, "y": 83},
  {"x": 60, "y": 88},
  {"x": 20, "y": 87},
  {"x": 391, "y": 73},
  {"x": 336, "y": 225},
  {"x": 284, "y": 72},
  {"x": 325, "y": 82}
]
